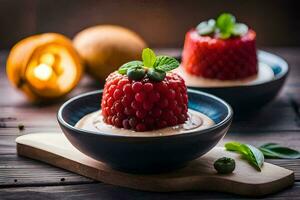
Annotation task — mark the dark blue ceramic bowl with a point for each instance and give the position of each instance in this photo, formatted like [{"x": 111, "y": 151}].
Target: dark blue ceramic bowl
[
  {"x": 248, "y": 98},
  {"x": 145, "y": 154}
]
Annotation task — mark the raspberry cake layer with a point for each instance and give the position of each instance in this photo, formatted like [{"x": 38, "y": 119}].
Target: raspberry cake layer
[{"x": 215, "y": 58}]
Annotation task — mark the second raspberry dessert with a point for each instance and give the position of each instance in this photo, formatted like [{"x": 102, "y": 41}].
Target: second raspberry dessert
[
  {"x": 220, "y": 49},
  {"x": 145, "y": 95}
]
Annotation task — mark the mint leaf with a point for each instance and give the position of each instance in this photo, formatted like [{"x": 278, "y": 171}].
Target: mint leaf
[
  {"x": 123, "y": 69},
  {"x": 233, "y": 146},
  {"x": 148, "y": 57},
  {"x": 269, "y": 145},
  {"x": 274, "y": 150},
  {"x": 225, "y": 22},
  {"x": 239, "y": 29},
  {"x": 255, "y": 156},
  {"x": 206, "y": 27},
  {"x": 165, "y": 63},
  {"x": 249, "y": 152}
]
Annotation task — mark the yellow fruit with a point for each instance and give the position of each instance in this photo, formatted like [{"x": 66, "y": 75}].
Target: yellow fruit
[
  {"x": 45, "y": 67},
  {"x": 105, "y": 48}
]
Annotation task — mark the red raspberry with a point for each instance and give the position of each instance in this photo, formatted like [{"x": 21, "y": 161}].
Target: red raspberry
[
  {"x": 147, "y": 105},
  {"x": 230, "y": 59},
  {"x": 148, "y": 87},
  {"x": 137, "y": 86},
  {"x": 154, "y": 96},
  {"x": 140, "y": 96},
  {"x": 144, "y": 105}
]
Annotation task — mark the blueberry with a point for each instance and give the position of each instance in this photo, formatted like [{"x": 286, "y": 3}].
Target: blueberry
[
  {"x": 136, "y": 73},
  {"x": 156, "y": 75}
]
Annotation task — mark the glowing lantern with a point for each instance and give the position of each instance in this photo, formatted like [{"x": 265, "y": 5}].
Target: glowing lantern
[{"x": 44, "y": 66}]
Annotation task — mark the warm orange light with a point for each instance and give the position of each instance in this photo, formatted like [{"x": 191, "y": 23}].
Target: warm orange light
[
  {"x": 48, "y": 59},
  {"x": 44, "y": 67},
  {"x": 43, "y": 72}
]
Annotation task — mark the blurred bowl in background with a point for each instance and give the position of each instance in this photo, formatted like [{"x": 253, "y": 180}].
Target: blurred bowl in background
[{"x": 254, "y": 95}]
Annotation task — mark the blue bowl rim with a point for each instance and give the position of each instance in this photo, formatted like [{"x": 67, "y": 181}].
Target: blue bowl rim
[
  {"x": 282, "y": 64},
  {"x": 227, "y": 119}
]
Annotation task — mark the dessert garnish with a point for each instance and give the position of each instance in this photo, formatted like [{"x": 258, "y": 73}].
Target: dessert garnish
[
  {"x": 224, "y": 165},
  {"x": 155, "y": 67},
  {"x": 145, "y": 95},
  {"x": 254, "y": 156},
  {"x": 225, "y": 26}
]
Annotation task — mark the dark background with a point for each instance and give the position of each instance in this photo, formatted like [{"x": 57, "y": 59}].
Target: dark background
[{"x": 162, "y": 23}]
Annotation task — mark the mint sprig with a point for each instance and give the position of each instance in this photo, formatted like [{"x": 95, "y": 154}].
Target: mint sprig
[
  {"x": 154, "y": 67},
  {"x": 225, "y": 24},
  {"x": 223, "y": 27}
]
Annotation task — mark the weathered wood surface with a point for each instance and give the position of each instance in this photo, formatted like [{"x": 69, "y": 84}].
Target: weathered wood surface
[
  {"x": 55, "y": 149},
  {"x": 104, "y": 191},
  {"x": 277, "y": 122}
]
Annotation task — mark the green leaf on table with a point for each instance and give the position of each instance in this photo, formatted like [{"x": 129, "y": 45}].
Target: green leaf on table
[
  {"x": 255, "y": 156},
  {"x": 165, "y": 63},
  {"x": 148, "y": 57},
  {"x": 274, "y": 150},
  {"x": 123, "y": 69},
  {"x": 249, "y": 152},
  {"x": 233, "y": 146}
]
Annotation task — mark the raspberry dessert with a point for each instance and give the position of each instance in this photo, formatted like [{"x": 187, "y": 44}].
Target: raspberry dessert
[
  {"x": 220, "y": 49},
  {"x": 145, "y": 95}
]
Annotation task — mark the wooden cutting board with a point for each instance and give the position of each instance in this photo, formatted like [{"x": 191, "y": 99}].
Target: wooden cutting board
[{"x": 55, "y": 149}]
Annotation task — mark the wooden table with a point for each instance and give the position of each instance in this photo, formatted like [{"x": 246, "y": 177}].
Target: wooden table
[{"x": 22, "y": 178}]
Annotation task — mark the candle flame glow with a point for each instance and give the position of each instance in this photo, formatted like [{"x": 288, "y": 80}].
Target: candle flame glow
[
  {"x": 43, "y": 72},
  {"x": 48, "y": 59}
]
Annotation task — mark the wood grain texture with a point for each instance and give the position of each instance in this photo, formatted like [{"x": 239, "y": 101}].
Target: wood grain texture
[
  {"x": 199, "y": 174},
  {"x": 105, "y": 191},
  {"x": 12, "y": 165},
  {"x": 14, "y": 172}
]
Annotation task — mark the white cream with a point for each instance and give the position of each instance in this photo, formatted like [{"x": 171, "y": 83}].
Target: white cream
[
  {"x": 94, "y": 122},
  {"x": 265, "y": 73}
]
